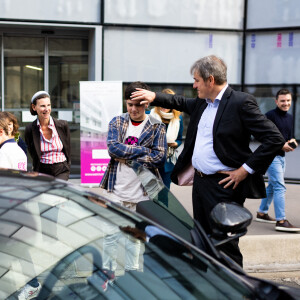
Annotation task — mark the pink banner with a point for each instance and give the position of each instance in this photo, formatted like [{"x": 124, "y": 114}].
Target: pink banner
[
  {"x": 100, "y": 101},
  {"x": 92, "y": 166}
]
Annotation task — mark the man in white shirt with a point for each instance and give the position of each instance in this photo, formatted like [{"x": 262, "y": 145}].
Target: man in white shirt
[{"x": 222, "y": 121}]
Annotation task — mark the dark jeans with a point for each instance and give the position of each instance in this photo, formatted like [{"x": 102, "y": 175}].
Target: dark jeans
[
  {"x": 207, "y": 192},
  {"x": 59, "y": 170}
]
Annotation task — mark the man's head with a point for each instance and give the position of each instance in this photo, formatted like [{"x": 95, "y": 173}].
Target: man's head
[
  {"x": 134, "y": 108},
  {"x": 283, "y": 99},
  {"x": 210, "y": 73}
]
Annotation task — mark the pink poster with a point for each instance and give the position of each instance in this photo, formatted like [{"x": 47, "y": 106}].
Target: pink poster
[
  {"x": 100, "y": 101},
  {"x": 94, "y": 159}
]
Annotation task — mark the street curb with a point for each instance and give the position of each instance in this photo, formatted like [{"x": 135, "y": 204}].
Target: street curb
[{"x": 271, "y": 253}]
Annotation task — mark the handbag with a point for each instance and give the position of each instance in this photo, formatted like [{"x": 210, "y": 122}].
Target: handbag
[{"x": 186, "y": 176}]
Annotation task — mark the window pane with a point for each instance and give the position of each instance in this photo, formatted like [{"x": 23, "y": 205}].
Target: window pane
[
  {"x": 188, "y": 13},
  {"x": 68, "y": 64},
  {"x": 23, "y": 69},
  {"x": 166, "y": 56},
  {"x": 273, "y": 13},
  {"x": 272, "y": 58},
  {"x": 58, "y": 10}
]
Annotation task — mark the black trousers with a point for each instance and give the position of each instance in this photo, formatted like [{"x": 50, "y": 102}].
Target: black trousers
[
  {"x": 59, "y": 170},
  {"x": 207, "y": 192}
]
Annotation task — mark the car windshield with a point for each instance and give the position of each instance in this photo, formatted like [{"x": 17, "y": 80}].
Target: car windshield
[{"x": 80, "y": 246}]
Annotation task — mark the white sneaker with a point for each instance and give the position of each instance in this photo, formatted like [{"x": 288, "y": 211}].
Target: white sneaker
[{"x": 29, "y": 292}]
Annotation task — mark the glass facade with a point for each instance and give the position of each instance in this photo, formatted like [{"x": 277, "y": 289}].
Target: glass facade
[
  {"x": 154, "y": 55},
  {"x": 187, "y": 13},
  {"x": 272, "y": 57},
  {"x": 23, "y": 69},
  {"x": 68, "y": 64},
  {"x": 55, "y": 45},
  {"x": 55, "y": 10},
  {"x": 273, "y": 14},
  {"x": 42, "y": 63}
]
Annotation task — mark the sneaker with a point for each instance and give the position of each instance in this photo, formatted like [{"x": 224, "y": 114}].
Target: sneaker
[
  {"x": 264, "y": 218},
  {"x": 286, "y": 226},
  {"x": 29, "y": 292}
]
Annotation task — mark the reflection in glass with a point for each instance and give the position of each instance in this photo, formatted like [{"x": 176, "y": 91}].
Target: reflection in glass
[{"x": 23, "y": 69}]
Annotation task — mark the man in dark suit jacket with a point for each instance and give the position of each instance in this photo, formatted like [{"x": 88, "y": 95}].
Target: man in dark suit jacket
[{"x": 217, "y": 142}]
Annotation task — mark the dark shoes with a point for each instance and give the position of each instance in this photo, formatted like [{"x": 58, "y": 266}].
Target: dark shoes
[
  {"x": 286, "y": 226},
  {"x": 264, "y": 218}
]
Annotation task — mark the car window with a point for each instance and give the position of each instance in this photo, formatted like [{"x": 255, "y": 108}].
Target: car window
[
  {"x": 160, "y": 194},
  {"x": 119, "y": 266}
]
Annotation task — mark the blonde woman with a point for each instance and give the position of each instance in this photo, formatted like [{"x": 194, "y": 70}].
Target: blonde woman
[{"x": 174, "y": 126}]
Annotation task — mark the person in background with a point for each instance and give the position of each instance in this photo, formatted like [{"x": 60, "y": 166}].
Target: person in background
[
  {"x": 276, "y": 188},
  {"x": 11, "y": 155},
  {"x": 222, "y": 121},
  {"x": 174, "y": 125},
  {"x": 48, "y": 139},
  {"x": 13, "y": 132}
]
